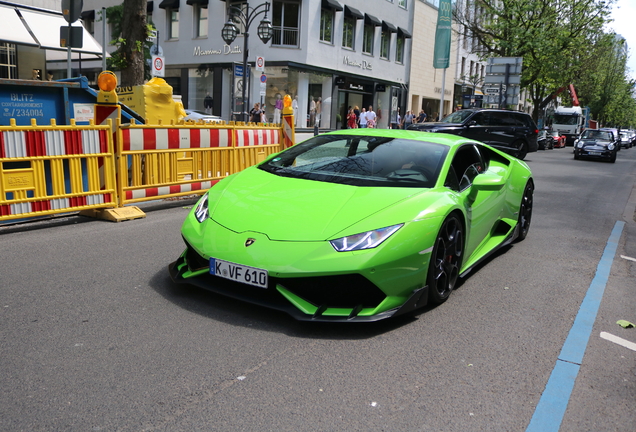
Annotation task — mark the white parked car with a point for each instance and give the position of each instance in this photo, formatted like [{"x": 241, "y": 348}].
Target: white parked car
[{"x": 196, "y": 115}]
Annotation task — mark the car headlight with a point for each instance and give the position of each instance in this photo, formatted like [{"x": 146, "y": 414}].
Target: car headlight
[
  {"x": 366, "y": 240},
  {"x": 610, "y": 146},
  {"x": 579, "y": 144},
  {"x": 201, "y": 210}
]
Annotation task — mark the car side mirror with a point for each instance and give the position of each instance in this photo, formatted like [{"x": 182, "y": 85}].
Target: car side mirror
[
  {"x": 471, "y": 123},
  {"x": 488, "y": 182}
]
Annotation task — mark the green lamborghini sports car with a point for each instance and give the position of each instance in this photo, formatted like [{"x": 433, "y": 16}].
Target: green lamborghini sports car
[{"x": 356, "y": 225}]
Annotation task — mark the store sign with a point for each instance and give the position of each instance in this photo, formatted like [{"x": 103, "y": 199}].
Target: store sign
[
  {"x": 439, "y": 90},
  {"x": 364, "y": 65},
  {"x": 198, "y": 51}
]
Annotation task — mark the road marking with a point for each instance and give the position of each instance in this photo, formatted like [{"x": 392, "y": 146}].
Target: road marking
[
  {"x": 550, "y": 410},
  {"x": 628, "y": 258},
  {"x": 619, "y": 340}
]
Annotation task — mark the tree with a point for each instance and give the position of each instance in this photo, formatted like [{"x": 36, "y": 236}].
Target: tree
[
  {"x": 130, "y": 33},
  {"x": 546, "y": 33}
]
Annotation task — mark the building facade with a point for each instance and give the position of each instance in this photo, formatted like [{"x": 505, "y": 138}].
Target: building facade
[
  {"x": 425, "y": 86},
  {"x": 325, "y": 54}
]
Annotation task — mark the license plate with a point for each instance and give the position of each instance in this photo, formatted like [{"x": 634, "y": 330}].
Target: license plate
[
  {"x": 239, "y": 273},
  {"x": 595, "y": 153}
]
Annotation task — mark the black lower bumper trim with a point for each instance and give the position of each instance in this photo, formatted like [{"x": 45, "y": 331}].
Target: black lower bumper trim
[{"x": 272, "y": 299}]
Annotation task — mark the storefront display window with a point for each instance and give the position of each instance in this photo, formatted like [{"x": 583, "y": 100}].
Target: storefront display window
[{"x": 200, "y": 84}]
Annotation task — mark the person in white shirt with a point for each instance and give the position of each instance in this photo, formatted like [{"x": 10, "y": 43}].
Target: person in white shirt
[
  {"x": 371, "y": 117},
  {"x": 363, "y": 118}
]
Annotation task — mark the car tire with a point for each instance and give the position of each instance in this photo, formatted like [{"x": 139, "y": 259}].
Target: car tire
[
  {"x": 525, "y": 211},
  {"x": 576, "y": 155},
  {"x": 522, "y": 149},
  {"x": 446, "y": 260},
  {"x": 612, "y": 158}
]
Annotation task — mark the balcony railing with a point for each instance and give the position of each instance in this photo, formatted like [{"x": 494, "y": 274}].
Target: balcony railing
[{"x": 285, "y": 36}]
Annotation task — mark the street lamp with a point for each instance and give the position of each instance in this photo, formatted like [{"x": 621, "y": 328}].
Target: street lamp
[{"x": 229, "y": 32}]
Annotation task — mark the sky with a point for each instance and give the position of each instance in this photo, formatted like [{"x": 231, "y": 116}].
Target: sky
[{"x": 623, "y": 13}]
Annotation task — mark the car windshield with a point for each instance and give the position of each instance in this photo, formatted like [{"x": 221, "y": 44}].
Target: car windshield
[
  {"x": 457, "y": 116},
  {"x": 565, "y": 119},
  {"x": 596, "y": 134},
  {"x": 361, "y": 161}
]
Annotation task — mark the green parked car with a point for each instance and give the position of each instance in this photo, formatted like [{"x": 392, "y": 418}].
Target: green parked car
[{"x": 356, "y": 225}]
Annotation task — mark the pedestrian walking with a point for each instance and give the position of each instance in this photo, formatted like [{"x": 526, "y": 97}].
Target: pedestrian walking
[
  {"x": 371, "y": 117},
  {"x": 352, "y": 120},
  {"x": 362, "y": 121}
]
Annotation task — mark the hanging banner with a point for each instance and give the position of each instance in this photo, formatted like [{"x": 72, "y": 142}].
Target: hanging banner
[{"x": 441, "y": 58}]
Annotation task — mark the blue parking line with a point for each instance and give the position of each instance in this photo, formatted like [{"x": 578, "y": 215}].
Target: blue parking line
[{"x": 551, "y": 408}]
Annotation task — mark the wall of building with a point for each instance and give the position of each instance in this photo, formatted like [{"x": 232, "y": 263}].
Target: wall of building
[{"x": 425, "y": 86}]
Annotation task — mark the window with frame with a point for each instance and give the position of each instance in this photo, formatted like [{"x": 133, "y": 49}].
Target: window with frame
[
  {"x": 399, "y": 49},
  {"x": 286, "y": 22},
  {"x": 326, "y": 25},
  {"x": 402, "y": 3},
  {"x": 348, "y": 32},
  {"x": 200, "y": 20},
  {"x": 8, "y": 61},
  {"x": 368, "y": 38},
  {"x": 385, "y": 43},
  {"x": 173, "y": 23}
]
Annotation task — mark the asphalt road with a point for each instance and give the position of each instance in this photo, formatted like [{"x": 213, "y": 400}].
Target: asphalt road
[{"x": 95, "y": 337}]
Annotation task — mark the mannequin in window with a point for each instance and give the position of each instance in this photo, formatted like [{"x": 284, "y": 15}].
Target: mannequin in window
[{"x": 207, "y": 103}]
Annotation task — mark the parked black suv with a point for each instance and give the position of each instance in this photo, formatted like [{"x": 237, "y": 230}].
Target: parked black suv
[{"x": 513, "y": 132}]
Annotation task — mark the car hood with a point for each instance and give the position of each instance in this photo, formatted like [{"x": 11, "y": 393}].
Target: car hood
[
  {"x": 288, "y": 209},
  {"x": 596, "y": 142}
]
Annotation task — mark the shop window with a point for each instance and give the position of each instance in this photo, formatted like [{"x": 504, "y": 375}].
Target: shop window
[
  {"x": 8, "y": 62},
  {"x": 326, "y": 25},
  {"x": 348, "y": 32},
  {"x": 385, "y": 42},
  {"x": 200, "y": 20},
  {"x": 286, "y": 22}
]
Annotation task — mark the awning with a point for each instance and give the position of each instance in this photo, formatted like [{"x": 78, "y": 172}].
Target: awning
[
  {"x": 332, "y": 4},
  {"x": 46, "y": 29},
  {"x": 40, "y": 28},
  {"x": 353, "y": 12},
  {"x": 370, "y": 19},
  {"x": 202, "y": 3},
  {"x": 403, "y": 33},
  {"x": 88, "y": 15},
  {"x": 12, "y": 29},
  {"x": 388, "y": 26},
  {"x": 169, "y": 4}
]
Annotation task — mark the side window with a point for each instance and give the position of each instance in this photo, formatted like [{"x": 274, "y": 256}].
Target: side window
[
  {"x": 518, "y": 120},
  {"x": 480, "y": 119},
  {"x": 499, "y": 119},
  {"x": 467, "y": 164}
]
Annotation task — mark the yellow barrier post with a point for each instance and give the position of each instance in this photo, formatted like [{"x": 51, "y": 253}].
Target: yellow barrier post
[
  {"x": 289, "y": 133},
  {"x": 108, "y": 110}
]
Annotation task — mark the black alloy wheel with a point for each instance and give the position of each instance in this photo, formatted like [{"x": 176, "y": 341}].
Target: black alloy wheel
[
  {"x": 525, "y": 211},
  {"x": 446, "y": 259}
]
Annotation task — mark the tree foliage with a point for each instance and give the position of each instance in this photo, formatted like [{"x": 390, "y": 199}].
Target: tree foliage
[{"x": 552, "y": 37}]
